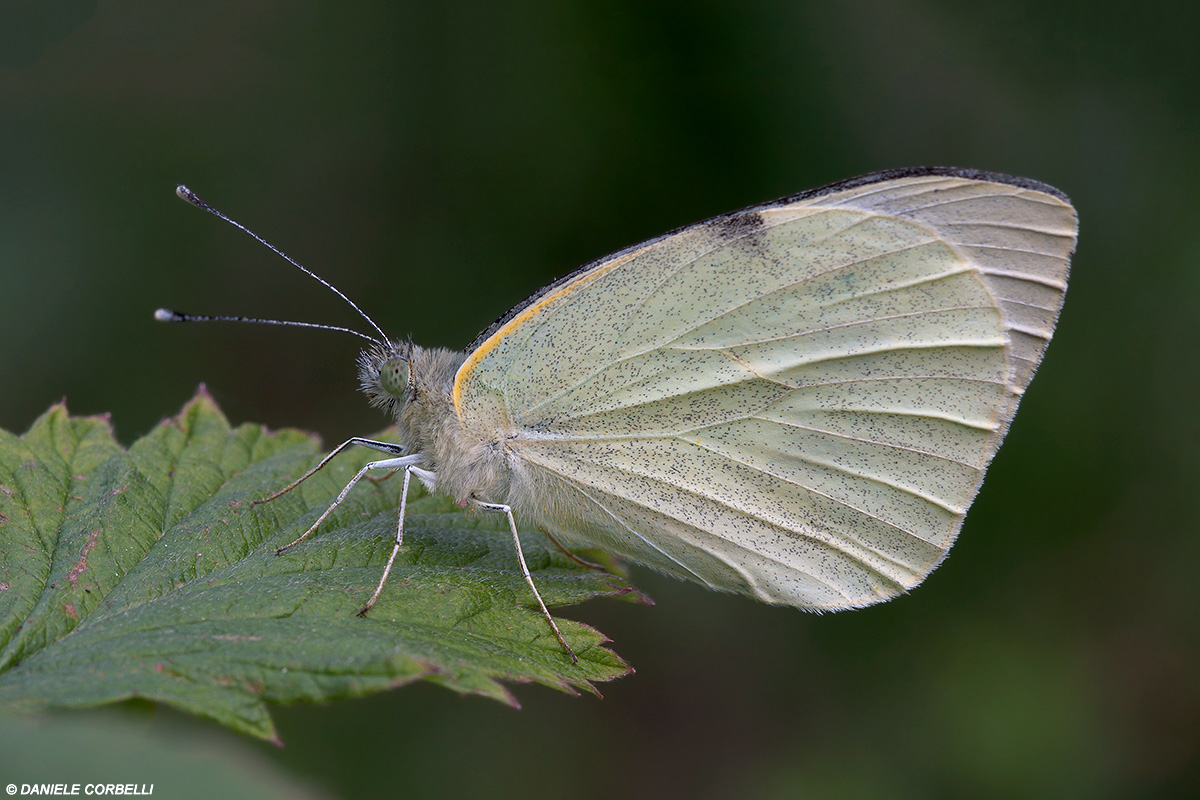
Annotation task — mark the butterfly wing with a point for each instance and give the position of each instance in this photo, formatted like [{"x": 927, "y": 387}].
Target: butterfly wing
[{"x": 795, "y": 401}]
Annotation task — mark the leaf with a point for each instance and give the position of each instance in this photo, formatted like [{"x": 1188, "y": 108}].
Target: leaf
[{"x": 148, "y": 573}]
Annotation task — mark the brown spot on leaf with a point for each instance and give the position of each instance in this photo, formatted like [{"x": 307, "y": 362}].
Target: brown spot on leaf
[
  {"x": 70, "y": 609},
  {"x": 82, "y": 564}
]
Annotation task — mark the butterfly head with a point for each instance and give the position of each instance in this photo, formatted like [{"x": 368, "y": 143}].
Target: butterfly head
[{"x": 384, "y": 373}]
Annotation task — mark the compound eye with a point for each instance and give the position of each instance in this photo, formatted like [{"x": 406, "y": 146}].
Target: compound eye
[{"x": 393, "y": 377}]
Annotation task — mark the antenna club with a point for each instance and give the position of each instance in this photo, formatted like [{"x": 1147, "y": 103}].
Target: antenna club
[
  {"x": 184, "y": 193},
  {"x": 167, "y": 315}
]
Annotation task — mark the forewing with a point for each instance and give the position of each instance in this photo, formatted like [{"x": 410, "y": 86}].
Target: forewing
[{"x": 796, "y": 401}]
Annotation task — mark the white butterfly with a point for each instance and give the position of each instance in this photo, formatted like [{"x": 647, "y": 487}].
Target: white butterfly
[{"x": 796, "y": 401}]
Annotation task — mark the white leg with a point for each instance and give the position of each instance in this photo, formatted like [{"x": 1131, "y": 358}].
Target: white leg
[
  {"x": 387, "y": 570},
  {"x": 405, "y": 462},
  {"x": 512, "y": 526},
  {"x": 385, "y": 447}
]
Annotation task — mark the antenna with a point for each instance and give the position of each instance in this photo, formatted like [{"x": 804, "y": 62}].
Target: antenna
[{"x": 166, "y": 315}]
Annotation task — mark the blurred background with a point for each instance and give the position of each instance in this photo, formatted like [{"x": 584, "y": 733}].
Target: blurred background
[{"x": 439, "y": 162}]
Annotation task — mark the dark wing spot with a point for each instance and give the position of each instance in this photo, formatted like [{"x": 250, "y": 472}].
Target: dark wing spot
[{"x": 736, "y": 225}]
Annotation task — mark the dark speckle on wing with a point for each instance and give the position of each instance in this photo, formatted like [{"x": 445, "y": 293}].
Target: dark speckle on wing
[{"x": 736, "y": 225}]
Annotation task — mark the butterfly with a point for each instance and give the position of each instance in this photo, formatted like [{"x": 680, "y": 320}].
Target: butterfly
[{"x": 796, "y": 401}]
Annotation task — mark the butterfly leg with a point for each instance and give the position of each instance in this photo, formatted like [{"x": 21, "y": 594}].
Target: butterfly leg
[
  {"x": 512, "y": 526},
  {"x": 583, "y": 562},
  {"x": 428, "y": 478},
  {"x": 382, "y": 478},
  {"x": 385, "y": 447},
  {"x": 389, "y": 463}
]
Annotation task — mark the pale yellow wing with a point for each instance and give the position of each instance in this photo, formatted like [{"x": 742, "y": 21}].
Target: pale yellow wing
[{"x": 795, "y": 401}]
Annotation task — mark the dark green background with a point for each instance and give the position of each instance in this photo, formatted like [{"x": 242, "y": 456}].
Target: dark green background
[{"x": 439, "y": 162}]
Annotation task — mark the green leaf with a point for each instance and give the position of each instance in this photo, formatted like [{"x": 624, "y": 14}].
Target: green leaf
[
  {"x": 148, "y": 573},
  {"x": 167, "y": 759}
]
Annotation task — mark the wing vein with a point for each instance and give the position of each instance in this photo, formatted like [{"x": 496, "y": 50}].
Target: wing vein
[
  {"x": 863, "y": 440},
  {"x": 633, "y": 314},
  {"x": 826, "y": 541},
  {"x": 839, "y": 326},
  {"x": 805, "y": 278},
  {"x": 837, "y": 468}
]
